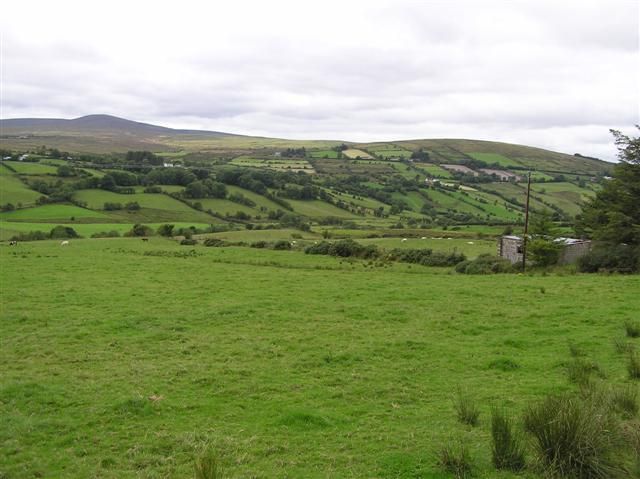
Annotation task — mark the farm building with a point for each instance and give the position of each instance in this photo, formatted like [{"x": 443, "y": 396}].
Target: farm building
[{"x": 510, "y": 247}]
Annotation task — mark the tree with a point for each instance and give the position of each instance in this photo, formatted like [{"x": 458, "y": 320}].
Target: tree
[
  {"x": 613, "y": 215},
  {"x": 165, "y": 230},
  {"x": 541, "y": 224}
]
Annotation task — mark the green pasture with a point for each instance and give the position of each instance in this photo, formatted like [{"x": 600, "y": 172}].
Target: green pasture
[
  {"x": 53, "y": 212},
  {"x": 472, "y": 248},
  {"x": 96, "y": 199},
  {"x": 259, "y": 200},
  {"x": 223, "y": 207},
  {"x": 282, "y": 364},
  {"x": 318, "y": 208},
  {"x": 434, "y": 170},
  {"x": 14, "y": 191},
  {"x": 31, "y": 168}
]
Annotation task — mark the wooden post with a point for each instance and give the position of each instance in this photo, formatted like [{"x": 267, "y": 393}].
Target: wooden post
[{"x": 526, "y": 225}]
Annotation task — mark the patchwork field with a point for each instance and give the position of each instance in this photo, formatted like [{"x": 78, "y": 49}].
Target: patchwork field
[
  {"x": 354, "y": 153},
  {"x": 282, "y": 364}
]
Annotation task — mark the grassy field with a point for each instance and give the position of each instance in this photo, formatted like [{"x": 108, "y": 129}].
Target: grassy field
[
  {"x": 285, "y": 364},
  {"x": 29, "y": 168},
  {"x": 14, "y": 191},
  {"x": 318, "y": 208},
  {"x": 494, "y": 158},
  {"x": 54, "y": 212},
  {"x": 323, "y": 154}
]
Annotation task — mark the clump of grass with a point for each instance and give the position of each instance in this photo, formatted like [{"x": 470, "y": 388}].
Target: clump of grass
[
  {"x": 580, "y": 371},
  {"x": 625, "y": 399},
  {"x": 575, "y": 350},
  {"x": 507, "y": 449},
  {"x": 466, "y": 409},
  {"x": 632, "y": 328},
  {"x": 207, "y": 465},
  {"x": 634, "y": 366},
  {"x": 504, "y": 364},
  {"x": 575, "y": 437},
  {"x": 456, "y": 460},
  {"x": 622, "y": 346}
]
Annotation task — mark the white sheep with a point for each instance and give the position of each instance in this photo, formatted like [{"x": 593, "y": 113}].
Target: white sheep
[{"x": 64, "y": 243}]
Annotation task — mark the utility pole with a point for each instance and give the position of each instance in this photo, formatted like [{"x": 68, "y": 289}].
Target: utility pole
[{"x": 526, "y": 225}]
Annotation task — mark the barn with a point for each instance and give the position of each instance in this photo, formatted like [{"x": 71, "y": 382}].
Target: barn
[{"x": 510, "y": 247}]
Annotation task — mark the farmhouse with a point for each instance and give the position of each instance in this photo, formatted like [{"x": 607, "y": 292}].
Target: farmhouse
[{"x": 510, "y": 247}]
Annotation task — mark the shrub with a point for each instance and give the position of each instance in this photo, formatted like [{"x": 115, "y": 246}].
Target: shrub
[
  {"x": 259, "y": 244},
  {"x": 507, "y": 448},
  {"x": 153, "y": 189},
  {"x": 466, "y": 409},
  {"x": 139, "y": 230},
  {"x": 165, "y": 230},
  {"x": 106, "y": 234},
  {"x": 632, "y": 329},
  {"x": 188, "y": 242},
  {"x": 456, "y": 460},
  {"x": 214, "y": 242},
  {"x": 574, "y": 437},
  {"x": 63, "y": 232},
  {"x": 544, "y": 252},
  {"x": 485, "y": 264},
  {"x": 132, "y": 206},
  {"x": 282, "y": 245},
  {"x": 30, "y": 236},
  {"x": 610, "y": 258},
  {"x": 112, "y": 206},
  {"x": 319, "y": 248}
]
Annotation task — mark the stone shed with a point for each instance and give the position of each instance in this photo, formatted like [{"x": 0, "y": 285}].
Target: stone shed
[{"x": 510, "y": 247}]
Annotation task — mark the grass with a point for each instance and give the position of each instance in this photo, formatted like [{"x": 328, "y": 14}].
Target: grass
[
  {"x": 467, "y": 411},
  {"x": 632, "y": 328},
  {"x": 291, "y": 364},
  {"x": 507, "y": 447},
  {"x": 52, "y": 212},
  {"x": 29, "y": 168},
  {"x": 14, "y": 191},
  {"x": 355, "y": 153}
]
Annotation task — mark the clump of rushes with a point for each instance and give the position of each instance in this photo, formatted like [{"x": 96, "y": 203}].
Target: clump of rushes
[
  {"x": 506, "y": 448},
  {"x": 456, "y": 460},
  {"x": 466, "y": 409}
]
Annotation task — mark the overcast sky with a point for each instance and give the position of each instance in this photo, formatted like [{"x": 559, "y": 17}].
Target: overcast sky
[{"x": 555, "y": 74}]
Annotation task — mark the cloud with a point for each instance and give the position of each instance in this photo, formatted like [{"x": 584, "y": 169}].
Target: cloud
[{"x": 550, "y": 74}]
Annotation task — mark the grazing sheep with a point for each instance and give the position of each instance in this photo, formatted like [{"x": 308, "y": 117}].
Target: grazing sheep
[
  {"x": 404, "y": 239},
  {"x": 13, "y": 243},
  {"x": 424, "y": 237},
  {"x": 64, "y": 243},
  {"x": 469, "y": 242}
]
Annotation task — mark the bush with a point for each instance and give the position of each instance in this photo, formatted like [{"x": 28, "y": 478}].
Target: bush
[
  {"x": 165, "y": 230},
  {"x": 106, "y": 234},
  {"x": 282, "y": 245},
  {"x": 466, "y": 409},
  {"x": 610, "y": 258},
  {"x": 188, "y": 242},
  {"x": 575, "y": 437},
  {"x": 544, "y": 252},
  {"x": 456, "y": 461},
  {"x": 632, "y": 329},
  {"x": 132, "y": 206},
  {"x": 214, "y": 242},
  {"x": 322, "y": 247},
  {"x": 63, "y": 232},
  {"x": 348, "y": 248},
  {"x": 259, "y": 244},
  {"x": 507, "y": 449},
  {"x": 30, "y": 236},
  {"x": 139, "y": 230},
  {"x": 112, "y": 206},
  {"x": 153, "y": 189},
  {"x": 485, "y": 264}
]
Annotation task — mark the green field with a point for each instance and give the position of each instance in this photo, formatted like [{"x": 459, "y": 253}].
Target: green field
[
  {"x": 285, "y": 364},
  {"x": 30, "y": 168},
  {"x": 54, "y": 212},
  {"x": 318, "y": 208},
  {"x": 323, "y": 154},
  {"x": 491, "y": 158},
  {"x": 14, "y": 191}
]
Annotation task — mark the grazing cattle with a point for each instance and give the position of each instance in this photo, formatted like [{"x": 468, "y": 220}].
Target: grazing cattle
[
  {"x": 64, "y": 243},
  {"x": 13, "y": 243},
  {"x": 145, "y": 239}
]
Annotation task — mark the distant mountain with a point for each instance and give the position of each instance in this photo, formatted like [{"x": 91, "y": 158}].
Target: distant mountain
[{"x": 103, "y": 124}]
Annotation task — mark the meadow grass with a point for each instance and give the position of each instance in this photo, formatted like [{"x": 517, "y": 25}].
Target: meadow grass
[
  {"x": 128, "y": 359},
  {"x": 31, "y": 168},
  {"x": 14, "y": 191}
]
